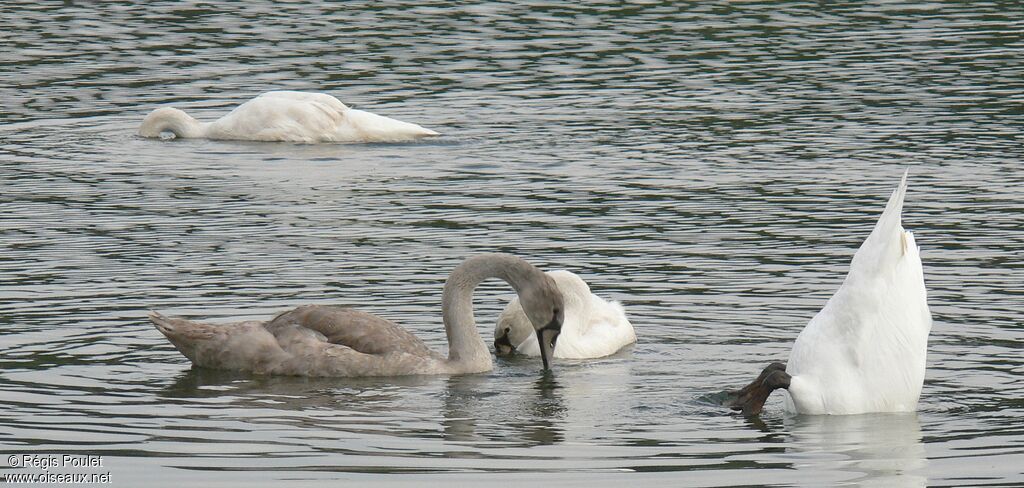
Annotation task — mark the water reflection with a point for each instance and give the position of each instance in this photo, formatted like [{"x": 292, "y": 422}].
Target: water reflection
[
  {"x": 296, "y": 393},
  {"x": 474, "y": 411},
  {"x": 875, "y": 449}
]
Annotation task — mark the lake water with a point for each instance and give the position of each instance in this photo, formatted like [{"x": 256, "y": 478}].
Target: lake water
[{"x": 713, "y": 167}]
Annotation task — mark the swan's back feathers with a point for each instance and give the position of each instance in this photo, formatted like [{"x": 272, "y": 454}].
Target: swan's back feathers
[
  {"x": 605, "y": 314},
  {"x": 361, "y": 331},
  {"x": 308, "y": 352},
  {"x": 324, "y": 99},
  {"x": 604, "y": 332},
  {"x": 282, "y": 116}
]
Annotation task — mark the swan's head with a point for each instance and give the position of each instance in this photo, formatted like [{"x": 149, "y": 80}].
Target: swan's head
[
  {"x": 542, "y": 303},
  {"x": 514, "y": 328}
]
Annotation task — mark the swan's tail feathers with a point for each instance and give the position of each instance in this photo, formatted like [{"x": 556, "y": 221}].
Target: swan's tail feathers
[
  {"x": 889, "y": 223},
  {"x": 378, "y": 128},
  {"x": 888, "y": 241},
  {"x": 183, "y": 334}
]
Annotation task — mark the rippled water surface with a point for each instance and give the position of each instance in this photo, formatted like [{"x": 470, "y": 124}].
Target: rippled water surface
[{"x": 713, "y": 167}]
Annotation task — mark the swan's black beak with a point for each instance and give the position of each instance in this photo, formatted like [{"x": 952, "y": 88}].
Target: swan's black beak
[
  {"x": 503, "y": 346},
  {"x": 546, "y": 337}
]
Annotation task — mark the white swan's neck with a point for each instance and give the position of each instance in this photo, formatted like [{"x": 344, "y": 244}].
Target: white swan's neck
[
  {"x": 168, "y": 119},
  {"x": 467, "y": 351}
]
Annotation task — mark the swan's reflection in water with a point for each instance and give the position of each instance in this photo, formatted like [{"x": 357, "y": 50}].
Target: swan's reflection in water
[
  {"x": 515, "y": 406},
  {"x": 875, "y": 449},
  {"x": 521, "y": 411},
  {"x": 475, "y": 411},
  {"x": 311, "y": 407},
  {"x": 407, "y": 424},
  {"x": 290, "y": 392}
]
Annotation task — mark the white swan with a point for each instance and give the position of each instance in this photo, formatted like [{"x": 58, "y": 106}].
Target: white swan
[
  {"x": 593, "y": 327},
  {"x": 286, "y": 116},
  {"x": 865, "y": 350},
  {"x": 334, "y": 341}
]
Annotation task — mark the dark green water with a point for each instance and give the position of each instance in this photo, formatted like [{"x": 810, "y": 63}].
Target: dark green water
[{"x": 712, "y": 167}]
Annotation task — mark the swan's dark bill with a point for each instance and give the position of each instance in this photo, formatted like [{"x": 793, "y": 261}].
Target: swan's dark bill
[
  {"x": 546, "y": 337},
  {"x": 750, "y": 399}
]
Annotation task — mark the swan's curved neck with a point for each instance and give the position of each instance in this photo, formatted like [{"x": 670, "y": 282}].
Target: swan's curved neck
[
  {"x": 467, "y": 351},
  {"x": 171, "y": 120}
]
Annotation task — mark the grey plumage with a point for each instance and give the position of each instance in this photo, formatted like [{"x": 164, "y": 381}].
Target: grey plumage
[{"x": 316, "y": 340}]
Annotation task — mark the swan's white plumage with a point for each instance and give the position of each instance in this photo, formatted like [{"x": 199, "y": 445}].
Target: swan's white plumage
[
  {"x": 286, "y": 116},
  {"x": 593, "y": 327},
  {"x": 865, "y": 350}
]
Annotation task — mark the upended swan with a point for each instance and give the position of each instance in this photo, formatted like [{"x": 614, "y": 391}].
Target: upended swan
[
  {"x": 865, "y": 350},
  {"x": 286, "y": 116},
  {"x": 317, "y": 340},
  {"x": 593, "y": 327}
]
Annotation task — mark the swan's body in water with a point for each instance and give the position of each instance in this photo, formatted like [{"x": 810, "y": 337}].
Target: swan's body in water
[
  {"x": 865, "y": 350},
  {"x": 334, "y": 341},
  {"x": 286, "y": 116},
  {"x": 593, "y": 327}
]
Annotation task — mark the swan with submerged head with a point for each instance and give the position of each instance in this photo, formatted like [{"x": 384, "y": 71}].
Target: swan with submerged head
[
  {"x": 593, "y": 327},
  {"x": 286, "y": 116},
  {"x": 328, "y": 341},
  {"x": 865, "y": 350}
]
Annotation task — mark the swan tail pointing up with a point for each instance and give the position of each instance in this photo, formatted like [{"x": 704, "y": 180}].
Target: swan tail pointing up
[{"x": 889, "y": 242}]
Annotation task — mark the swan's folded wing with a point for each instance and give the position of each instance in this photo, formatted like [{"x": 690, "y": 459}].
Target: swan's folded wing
[
  {"x": 324, "y": 359},
  {"x": 306, "y": 117},
  {"x": 361, "y": 331},
  {"x": 321, "y": 98}
]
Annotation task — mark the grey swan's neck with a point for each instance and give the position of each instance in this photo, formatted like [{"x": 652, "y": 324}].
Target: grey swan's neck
[
  {"x": 168, "y": 119},
  {"x": 467, "y": 352}
]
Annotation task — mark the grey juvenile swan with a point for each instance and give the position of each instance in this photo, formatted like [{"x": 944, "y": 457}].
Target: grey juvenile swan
[{"x": 315, "y": 340}]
